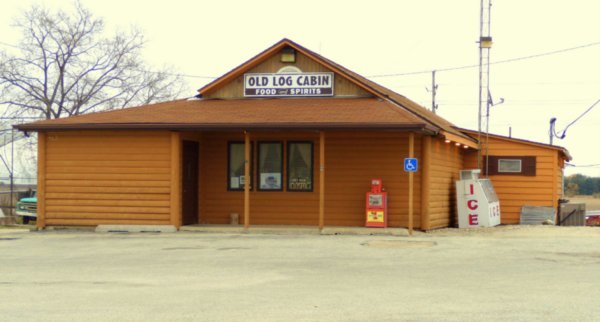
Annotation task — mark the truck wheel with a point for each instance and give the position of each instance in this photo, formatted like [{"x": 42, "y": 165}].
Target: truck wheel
[{"x": 25, "y": 220}]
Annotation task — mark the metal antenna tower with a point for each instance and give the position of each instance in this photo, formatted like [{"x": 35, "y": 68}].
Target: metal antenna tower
[{"x": 485, "y": 43}]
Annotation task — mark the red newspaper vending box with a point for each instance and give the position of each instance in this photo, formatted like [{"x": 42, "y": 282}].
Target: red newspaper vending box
[{"x": 376, "y": 205}]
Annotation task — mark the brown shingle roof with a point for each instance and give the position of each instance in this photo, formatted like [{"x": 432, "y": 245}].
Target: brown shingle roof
[
  {"x": 565, "y": 153},
  {"x": 308, "y": 113}
]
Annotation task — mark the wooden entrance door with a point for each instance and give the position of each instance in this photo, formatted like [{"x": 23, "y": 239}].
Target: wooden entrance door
[{"x": 189, "y": 182}]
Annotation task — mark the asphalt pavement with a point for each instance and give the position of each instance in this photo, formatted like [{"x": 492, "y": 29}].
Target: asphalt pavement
[{"x": 451, "y": 275}]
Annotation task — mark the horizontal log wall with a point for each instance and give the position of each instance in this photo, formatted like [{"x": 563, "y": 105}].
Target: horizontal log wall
[
  {"x": 101, "y": 177},
  {"x": 516, "y": 191},
  {"x": 352, "y": 160},
  {"x": 446, "y": 162},
  {"x": 559, "y": 186}
]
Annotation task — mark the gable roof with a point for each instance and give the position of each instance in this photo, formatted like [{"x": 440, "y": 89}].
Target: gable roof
[
  {"x": 362, "y": 82},
  {"x": 565, "y": 153}
]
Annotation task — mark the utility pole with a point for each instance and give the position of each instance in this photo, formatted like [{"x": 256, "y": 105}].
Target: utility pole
[
  {"x": 434, "y": 87},
  {"x": 485, "y": 43},
  {"x": 552, "y": 130},
  {"x": 12, "y": 171}
]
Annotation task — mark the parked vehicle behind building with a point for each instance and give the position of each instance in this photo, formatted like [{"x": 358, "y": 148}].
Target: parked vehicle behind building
[
  {"x": 27, "y": 208},
  {"x": 592, "y": 218}
]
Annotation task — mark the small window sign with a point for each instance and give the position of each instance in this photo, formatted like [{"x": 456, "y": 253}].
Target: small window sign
[
  {"x": 299, "y": 166},
  {"x": 236, "y": 174}
]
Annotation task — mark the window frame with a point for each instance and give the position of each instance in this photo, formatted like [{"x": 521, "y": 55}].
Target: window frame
[
  {"x": 520, "y": 161},
  {"x": 312, "y": 163},
  {"x": 229, "y": 144},
  {"x": 258, "y": 172},
  {"x": 528, "y": 165}
]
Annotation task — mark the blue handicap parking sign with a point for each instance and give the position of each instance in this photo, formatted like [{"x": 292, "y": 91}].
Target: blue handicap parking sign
[{"x": 411, "y": 164}]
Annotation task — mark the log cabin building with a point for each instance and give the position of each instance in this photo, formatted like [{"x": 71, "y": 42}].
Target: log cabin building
[
  {"x": 288, "y": 137},
  {"x": 524, "y": 173}
]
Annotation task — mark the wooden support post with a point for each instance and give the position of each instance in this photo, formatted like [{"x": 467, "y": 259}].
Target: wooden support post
[
  {"x": 321, "y": 180},
  {"x": 176, "y": 179},
  {"x": 41, "y": 181},
  {"x": 411, "y": 153},
  {"x": 246, "y": 180},
  {"x": 425, "y": 181}
]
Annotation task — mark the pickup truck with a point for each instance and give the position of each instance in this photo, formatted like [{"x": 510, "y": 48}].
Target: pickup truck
[
  {"x": 592, "y": 218},
  {"x": 27, "y": 208}
]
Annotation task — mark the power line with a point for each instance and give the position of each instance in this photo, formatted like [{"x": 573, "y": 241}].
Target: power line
[
  {"x": 182, "y": 75},
  {"x": 525, "y": 101},
  {"x": 22, "y": 118},
  {"x": 580, "y": 116},
  {"x": 553, "y": 132},
  {"x": 149, "y": 71},
  {"x": 9, "y": 45},
  {"x": 583, "y": 165},
  {"x": 558, "y": 51},
  {"x": 550, "y": 83},
  {"x": 510, "y": 60}
]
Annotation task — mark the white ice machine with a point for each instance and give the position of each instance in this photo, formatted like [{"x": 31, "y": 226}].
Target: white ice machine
[{"x": 477, "y": 202}]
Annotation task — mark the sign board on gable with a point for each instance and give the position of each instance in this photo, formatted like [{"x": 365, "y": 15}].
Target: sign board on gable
[{"x": 288, "y": 85}]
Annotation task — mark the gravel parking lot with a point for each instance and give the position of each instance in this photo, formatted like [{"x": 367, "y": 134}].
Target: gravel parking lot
[{"x": 512, "y": 273}]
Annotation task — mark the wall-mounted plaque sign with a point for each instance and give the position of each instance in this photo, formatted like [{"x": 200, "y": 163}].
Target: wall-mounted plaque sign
[{"x": 288, "y": 85}]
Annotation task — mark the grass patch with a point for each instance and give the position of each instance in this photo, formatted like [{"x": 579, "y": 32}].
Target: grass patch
[
  {"x": 591, "y": 203},
  {"x": 11, "y": 227}
]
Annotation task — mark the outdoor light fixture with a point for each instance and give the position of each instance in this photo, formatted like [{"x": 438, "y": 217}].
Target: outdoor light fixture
[
  {"x": 447, "y": 141},
  {"x": 457, "y": 144},
  {"x": 466, "y": 147},
  {"x": 288, "y": 55},
  {"x": 485, "y": 42}
]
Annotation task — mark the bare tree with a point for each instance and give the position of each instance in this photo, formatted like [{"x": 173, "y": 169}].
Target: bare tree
[{"x": 64, "y": 66}]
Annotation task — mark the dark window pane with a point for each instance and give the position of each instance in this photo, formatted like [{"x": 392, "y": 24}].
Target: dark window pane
[
  {"x": 270, "y": 166},
  {"x": 236, "y": 166},
  {"x": 300, "y": 165}
]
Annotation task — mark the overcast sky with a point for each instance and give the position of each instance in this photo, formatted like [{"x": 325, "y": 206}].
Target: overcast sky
[{"x": 208, "y": 38}]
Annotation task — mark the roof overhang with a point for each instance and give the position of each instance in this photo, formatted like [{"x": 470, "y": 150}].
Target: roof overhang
[
  {"x": 227, "y": 127},
  {"x": 268, "y": 114},
  {"x": 567, "y": 156},
  {"x": 459, "y": 139}
]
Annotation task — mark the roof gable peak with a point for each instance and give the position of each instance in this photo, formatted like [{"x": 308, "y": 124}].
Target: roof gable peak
[{"x": 269, "y": 53}]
